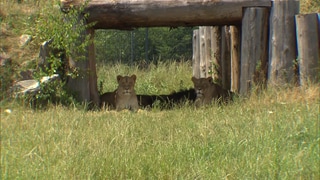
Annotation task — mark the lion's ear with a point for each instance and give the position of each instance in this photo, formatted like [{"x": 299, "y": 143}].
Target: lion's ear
[
  {"x": 119, "y": 77},
  {"x": 134, "y": 77},
  {"x": 210, "y": 80}
]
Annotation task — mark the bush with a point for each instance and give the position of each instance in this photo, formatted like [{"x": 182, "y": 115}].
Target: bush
[{"x": 63, "y": 30}]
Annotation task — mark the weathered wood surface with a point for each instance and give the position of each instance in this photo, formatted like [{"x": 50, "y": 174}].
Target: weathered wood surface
[
  {"x": 93, "y": 86},
  {"x": 235, "y": 58},
  {"x": 203, "y": 62},
  {"x": 207, "y": 46},
  {"x": 124, "y": 14},
  {"x": 282, "y": 50},
  {"x": 196, "y": 54},
  {"x": 254, "y": 51},
  {"x": 225, "y": 58},
  {"x": 308, "y": 47},
  {"x": 216, "y": 53}
]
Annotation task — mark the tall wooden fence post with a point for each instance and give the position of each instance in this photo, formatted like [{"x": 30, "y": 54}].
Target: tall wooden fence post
[
  {"x": 225, "y": 58},
  {"x": 254, "y": 51},
  {"x": 216, "y": 53},
  {"x": 282, "y": 50},
  {"x": 253, "y": 45},
  {"x": 79, "y": 62},
  {"x": 235, "y": 58},
  {"x": 93, "y": 86},
  {"x": 308, "y": 47},
  {"x": 203, "y": 62},
  {"x": 207, "y": 37},
  {"x": 196, "y": 54}
]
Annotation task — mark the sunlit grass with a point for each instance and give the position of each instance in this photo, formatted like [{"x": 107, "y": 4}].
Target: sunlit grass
[
  {"x": 272, "y": 134},
  {"x": 150, "y": 80}
]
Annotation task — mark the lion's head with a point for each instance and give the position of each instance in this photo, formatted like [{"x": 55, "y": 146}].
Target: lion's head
[
  {"x": 126, "y": 84},
  {"x": 202, "y": 86}
]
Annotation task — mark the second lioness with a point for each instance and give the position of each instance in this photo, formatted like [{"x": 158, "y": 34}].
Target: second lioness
[
  {"x": 124, "y": 97},
  {"x": 207, "y": 91}
]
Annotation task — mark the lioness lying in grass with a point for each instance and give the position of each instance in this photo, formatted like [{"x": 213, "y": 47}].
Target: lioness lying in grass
[
  {"x": 124, "y": 97},
  {"x": 207, "y": 91}
]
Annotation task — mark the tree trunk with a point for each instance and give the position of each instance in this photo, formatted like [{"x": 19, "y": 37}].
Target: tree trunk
[
  {"x": 126, "y": 14},
  {"x": 308, "y": 47}
]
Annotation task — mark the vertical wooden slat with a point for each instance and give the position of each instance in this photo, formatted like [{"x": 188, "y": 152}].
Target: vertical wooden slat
[
  {"x": 235, "y": 58},
  {"x": 216, "y": 53},
  {"x": 207, "y": 37},
  {"x": 225, "y": 58},
  {"x": 308, "y": 47},
  {"x": 203, "y": 63},
  {"x": 253, "y": 45},
  {"x": 94, "y": 95},
  {"x": 282, "y": 50},
  {"x": 196, "y": 54}
]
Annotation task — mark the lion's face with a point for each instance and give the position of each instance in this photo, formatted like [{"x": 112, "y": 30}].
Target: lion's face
[
  {"x": 126, "y": 84},
  {"x": 202, "y": 85}
]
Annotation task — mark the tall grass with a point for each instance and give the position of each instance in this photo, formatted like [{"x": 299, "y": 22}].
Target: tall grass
[
  {"x": 150, "y": 79},
  {"x": 273, "y": 134}
]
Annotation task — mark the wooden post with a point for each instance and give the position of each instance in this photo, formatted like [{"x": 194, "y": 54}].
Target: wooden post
[
  {"x": 216, "y": 53},
  {"x": 225, "y": 58},
  {"x": 203, "y": 61},
  {"x": 93, "y": 86},
  {"x": 254, "y": 45},
  {"x": 282, "y": 50},
  {"x": 308, "y": 47},
  {"x": 79, "y": 64},
  {"x": 196, "y": 54},
  {"x": 235, "y": 59},
  {"x": 207, "y": 44}
]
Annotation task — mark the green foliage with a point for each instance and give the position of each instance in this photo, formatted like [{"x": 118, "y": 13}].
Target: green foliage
[
  {"x": 63, "y": 30},
  {"x": 7, "y": 74}
]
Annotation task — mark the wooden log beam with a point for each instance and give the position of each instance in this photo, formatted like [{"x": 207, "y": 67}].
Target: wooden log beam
[{"x": 125, "y": 14}]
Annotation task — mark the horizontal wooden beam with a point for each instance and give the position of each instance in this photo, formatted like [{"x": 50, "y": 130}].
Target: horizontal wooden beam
[{"x": 126, "y": 14}]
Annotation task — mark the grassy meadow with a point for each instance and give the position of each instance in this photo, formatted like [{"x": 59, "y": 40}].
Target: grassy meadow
[{"x": 273, "y": 134}]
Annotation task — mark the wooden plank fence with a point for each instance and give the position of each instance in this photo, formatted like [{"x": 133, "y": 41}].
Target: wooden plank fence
[{"x": 259, "y": 58}]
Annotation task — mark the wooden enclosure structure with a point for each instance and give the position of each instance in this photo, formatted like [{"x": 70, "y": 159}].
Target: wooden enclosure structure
[{"x": 248, "y": 44}]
